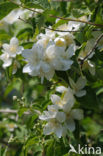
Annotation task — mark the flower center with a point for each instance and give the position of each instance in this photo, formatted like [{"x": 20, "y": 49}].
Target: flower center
[{"x": 13, "y": 49}]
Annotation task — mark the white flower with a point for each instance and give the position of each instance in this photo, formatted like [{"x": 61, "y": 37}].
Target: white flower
[
  {"x": 44, "y": 39},
  {"x": 61, "y": 115},
  {"x": 73, "y": 25},
  {"x": 3, "y": 25},
  {"x": 36, "y": 65},
  {"x": 53, "y": 127},
  {"x": 13, "y": 48},
  {"x": 60, "y": 42},
  {"x": 65, "y": 102},
  {"x": 67, "y": 36},
  {"x": 58, "y": 57},
  {"x": 14, "y": 15},
  {"x": 71, "y": 115},
  {"x": 6, "y": 59},
  {"x": 55, "y": 120},
  {"x": 78, "y": 86}
]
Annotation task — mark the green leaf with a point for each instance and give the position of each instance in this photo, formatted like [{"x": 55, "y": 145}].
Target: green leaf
[
  {"x": 89, "y": 101},
  {"x": 50, "y": 149},
  {"x": 31, "y": 141},
  {"x": 6, "y": 8},
  {"x": 34, "y": 5},
  {"x": 60, "y": 22},
  {"x": 40, "y": 21},
  {"x": 22, "y": 110},
  {"x": 91, "y": 126}
]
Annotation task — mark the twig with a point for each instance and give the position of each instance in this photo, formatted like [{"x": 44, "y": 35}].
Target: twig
[
  {"x": 10, "y": 145},
  {"x": 77, "y": 20},
  {"x": 12, "y": 111},
  {"x": 91, "y": 51},
  {"x": 20, "y": 5},
  {"x": 60, "y": 30},
  {"x": 67, "y": 19},
  {"x": 48, "y": 27}
]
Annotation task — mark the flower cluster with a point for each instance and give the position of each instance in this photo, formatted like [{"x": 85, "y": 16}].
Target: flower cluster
[
  {"x": 48, "y": 54},
  {"x": 9, "y": 53},
  {"x": 61, "y": 115}
]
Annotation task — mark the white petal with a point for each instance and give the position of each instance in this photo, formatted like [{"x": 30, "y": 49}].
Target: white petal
[
  {"x": 77, "y": 114},
  {"x": 81, "y": 82},
  {"x": 27, "y": 53},
  {"x": 55, "y": 98},
  {"x": 47, "y": 115},
  {"x": 27, "y": 68},
  {"x": 45, "y": 67},
  {"x": 20, "y": 49},
  {"x": 70, "y": 124},
  {"x": 91, "y": 68},
  {"x": 70, "y": 100},
  {"x": 50, "y": 74},
  {"x": 60, "y": 116},
  {"x": 52, "y": 108},
  {"x": 14, "y": 41},
  {"x": 67, "y": 107},
  {"x": 80, "y": 93},
  {"x": 35, "y": 70},
  {"x": 61, "y": 89},
  {"x": 65, "y": 64},
  {"x": 72, "y": 83},
  {"x": 58, "y": 131},
  {"x": 47, "y": 129},
  {"x": 71, "y": 50},
  {"x": 44, "y": 116},
  {"x": 7, "y": 63},
  {"x": 6, "y": 47}
]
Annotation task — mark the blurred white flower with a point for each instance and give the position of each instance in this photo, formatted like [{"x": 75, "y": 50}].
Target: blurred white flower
[
  {"x": 78, "y": 86},
  {"x": 61, "y": 115},
  {"x": 71, "y": 115},
  {"x": 65, "y": 102},
  {"x": 14, "y": 15},
  {"x": 44, "y": 39},
  {"x": 60, "y": 42},
  {"x": 67, "y": 36},
  {"x": 37, "y": 66},
  {"x": 6, "y": 59},
  {"x": 13, "y": 48},
  {"x": 3, "y": 25},
  {"x": 58, "y": 57},
  {"x": 74, "y": 26},
  {"x": 55, "y": 119}
]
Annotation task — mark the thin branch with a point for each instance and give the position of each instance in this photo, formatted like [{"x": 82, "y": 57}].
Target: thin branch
[
  {"x": 59, "y": 30},
  {"x": 67, "y": 19},
  {"x": 77, "y": 20},
  {"x": 23, "y": 20},
  {"x": 20, "y": 5},
  {"x": 48, "y": 27},
  {"x": 10, "y": 145},
  {"x": 6, "y": 111},
  {"x": 91, "y": 51},
  {"x": 12, "y": 111}
]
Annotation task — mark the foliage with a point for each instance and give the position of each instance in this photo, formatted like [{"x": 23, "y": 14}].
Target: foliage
[{"x": 23, "y": 98}]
